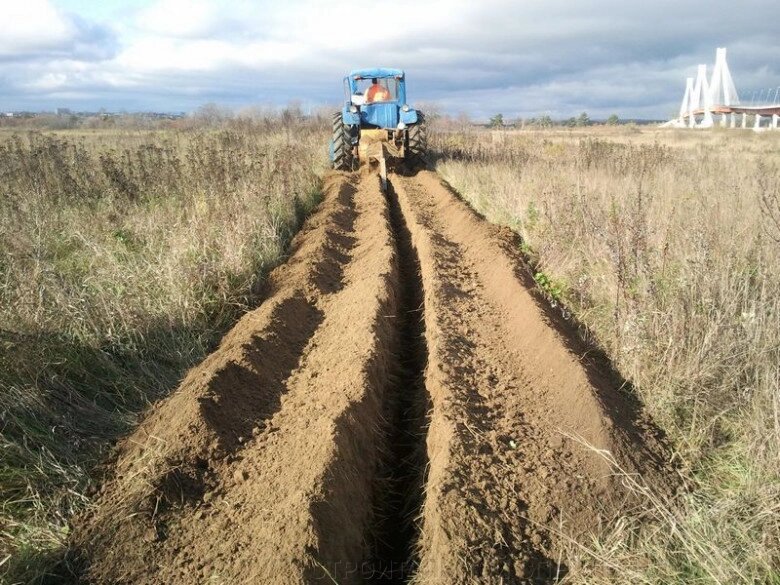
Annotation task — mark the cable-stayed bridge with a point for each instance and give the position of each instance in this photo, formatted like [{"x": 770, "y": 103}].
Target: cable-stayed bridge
[{"x": 714, "y": 101}]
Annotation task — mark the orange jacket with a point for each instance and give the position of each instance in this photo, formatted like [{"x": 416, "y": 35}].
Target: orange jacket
[{"x": 377, "y": 93}]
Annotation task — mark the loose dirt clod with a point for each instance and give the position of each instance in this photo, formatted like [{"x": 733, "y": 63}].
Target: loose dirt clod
[{"x": 300, "y": 451}]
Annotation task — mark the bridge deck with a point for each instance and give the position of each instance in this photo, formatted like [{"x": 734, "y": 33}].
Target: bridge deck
[{"x": 762, "y": 110}]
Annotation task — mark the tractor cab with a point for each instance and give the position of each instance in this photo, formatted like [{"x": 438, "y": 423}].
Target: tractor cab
[
  {"x": 376, "y": 98},
  {"x": 372, "y": 90}
]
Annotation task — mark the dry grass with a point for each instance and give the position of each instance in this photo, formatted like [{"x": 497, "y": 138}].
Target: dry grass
[
  {"x": 667, "y": 246},
  {"x": 124, "y": 255}
]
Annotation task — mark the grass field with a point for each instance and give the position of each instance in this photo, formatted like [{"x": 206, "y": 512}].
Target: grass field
[
  {"x": 666, "y": 245},
  {"x": 124, "y": 256}
]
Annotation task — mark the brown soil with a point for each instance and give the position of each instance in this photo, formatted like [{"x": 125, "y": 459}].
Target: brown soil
[{"x": 403, "y": 406}]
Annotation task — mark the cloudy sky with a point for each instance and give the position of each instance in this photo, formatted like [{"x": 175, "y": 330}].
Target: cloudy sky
[{"x": 518, "y": 57}]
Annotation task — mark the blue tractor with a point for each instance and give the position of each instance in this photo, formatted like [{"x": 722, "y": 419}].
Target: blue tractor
[{"x": 376, "y": 122}]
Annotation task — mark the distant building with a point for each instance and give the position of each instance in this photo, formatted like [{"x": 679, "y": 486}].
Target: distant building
[{"x": 9, "y": 114}]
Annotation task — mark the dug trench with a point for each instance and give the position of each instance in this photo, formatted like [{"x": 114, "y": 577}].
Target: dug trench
[
  {"x": 401, "y": 408},
  {"x": 400, "y": 488}
]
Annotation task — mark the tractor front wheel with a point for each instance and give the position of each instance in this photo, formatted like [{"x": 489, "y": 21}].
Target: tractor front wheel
[{"x": 343, "y": 156}]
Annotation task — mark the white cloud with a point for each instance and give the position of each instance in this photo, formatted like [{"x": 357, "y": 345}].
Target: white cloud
[
  {"x": 33, "y": 26},
  {"x": 161, "y": 54},
  {"x": 183, "y": 18},
  {"x": 520, "y": 57}
]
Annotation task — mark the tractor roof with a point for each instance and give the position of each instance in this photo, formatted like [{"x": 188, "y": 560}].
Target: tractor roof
[{"x": 377, "y": 72}]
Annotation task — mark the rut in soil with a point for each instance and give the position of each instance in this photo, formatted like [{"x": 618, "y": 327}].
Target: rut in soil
[{"x": 401, "y": 487}]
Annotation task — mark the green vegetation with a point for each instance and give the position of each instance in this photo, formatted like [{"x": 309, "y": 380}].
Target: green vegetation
[
  {"x": 554, "y": 289},
  {"x": 668, "y": 245},
  {"x": 544, "y": 121},
  {"x": 497, "y": 121},
  {"x": 124, "y": 256}
]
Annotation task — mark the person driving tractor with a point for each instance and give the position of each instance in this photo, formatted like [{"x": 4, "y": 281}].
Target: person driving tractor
[{"x": 377, "y": 93}]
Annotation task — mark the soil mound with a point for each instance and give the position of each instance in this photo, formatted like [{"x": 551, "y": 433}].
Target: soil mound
[{"x": 403, "y": 406}]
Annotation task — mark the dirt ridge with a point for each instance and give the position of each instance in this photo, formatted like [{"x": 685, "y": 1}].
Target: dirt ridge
[
  {"x": 198, "y": 494},
  {"x": 511, "y": 393},
  {"x": 402, "y": 408}
]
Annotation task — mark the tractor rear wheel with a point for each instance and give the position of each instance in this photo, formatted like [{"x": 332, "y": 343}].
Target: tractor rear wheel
[
  {"x": 417, "y": 141},
  {"x": 343, "y": 156}
]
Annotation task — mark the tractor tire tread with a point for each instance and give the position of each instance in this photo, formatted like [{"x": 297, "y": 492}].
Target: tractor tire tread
[
  {"x": 343, "y": 158},
  {"x": 417, "y": 141}
]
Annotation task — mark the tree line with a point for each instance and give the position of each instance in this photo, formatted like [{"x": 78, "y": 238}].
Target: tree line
[{"x": 546, "y": 121}]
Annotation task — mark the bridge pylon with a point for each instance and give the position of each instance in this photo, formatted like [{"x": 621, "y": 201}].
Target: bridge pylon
[{"x": 705, "y": 97}]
